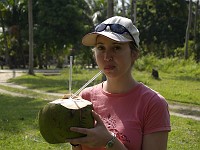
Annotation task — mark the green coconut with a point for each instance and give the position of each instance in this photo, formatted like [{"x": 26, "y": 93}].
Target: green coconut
[{"x": 56, "y": 118}]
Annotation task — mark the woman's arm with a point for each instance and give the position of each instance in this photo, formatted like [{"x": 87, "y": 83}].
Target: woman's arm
[
  {"x": 155, "y": 141},
  {"x": 117, "y": 145},
  {"x": 98, "y": 136}
]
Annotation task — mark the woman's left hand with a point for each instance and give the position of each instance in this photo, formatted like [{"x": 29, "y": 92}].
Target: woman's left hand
[{"x": 96, "y": 137}]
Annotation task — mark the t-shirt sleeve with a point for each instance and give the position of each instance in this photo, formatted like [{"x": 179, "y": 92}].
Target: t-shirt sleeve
[
  {"x": 156, "y": 116},
  {"x": 85, "y": 94}
]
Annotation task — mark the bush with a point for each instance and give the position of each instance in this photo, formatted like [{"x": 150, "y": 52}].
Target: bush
[
  {"x": 179, "y": 52},
  {"x": 168, "y": 65}
]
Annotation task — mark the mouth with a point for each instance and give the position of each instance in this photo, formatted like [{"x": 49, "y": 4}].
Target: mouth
[{"x": 109, "y": 68}]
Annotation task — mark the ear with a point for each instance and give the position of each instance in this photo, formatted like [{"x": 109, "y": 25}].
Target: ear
[{"x": 134, "y": 56}]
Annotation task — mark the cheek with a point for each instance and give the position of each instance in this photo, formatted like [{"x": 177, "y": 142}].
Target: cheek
[
  {"x": 125, "y": 61},
  {"x": 98, "y": 58}
]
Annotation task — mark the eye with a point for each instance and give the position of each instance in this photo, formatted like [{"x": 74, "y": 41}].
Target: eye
[
  {"x": 117, "y": 48},
  {"x": 100, "y": 48}
]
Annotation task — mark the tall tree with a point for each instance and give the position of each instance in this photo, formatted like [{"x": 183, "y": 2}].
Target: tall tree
[
  {"x": 98, "y": 12},
  {"x": 60, "y": 24},
  {"x": 123, "y": 8},
  {"x": 133, "y": 11},
  {"x": 30, "y": 22},
  {"x": 110, "y": 8},
  {"x": 188, "y": 29},
  {"x": 197, "y": 33},
  {"x": 159, "y": 33},
  {"x": 2, "y": 22},
  {"x": 15, "y": 24}
]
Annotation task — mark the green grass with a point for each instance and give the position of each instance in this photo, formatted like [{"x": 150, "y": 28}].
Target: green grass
[
  {"x": 20, "y": 131},
  {"x": 179, "y": 82},
  {"x": 185, "y": 134},
  {"x": 175, "y": 87},
  {"x": 19, "y": 124},
  {"x": 29, "y": 93},
  {"x": 179, "y": 78},
  {"x": 60, "y": 83}
]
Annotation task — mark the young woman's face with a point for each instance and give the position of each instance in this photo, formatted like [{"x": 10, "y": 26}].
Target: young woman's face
[{"x": 115, "y": 59}]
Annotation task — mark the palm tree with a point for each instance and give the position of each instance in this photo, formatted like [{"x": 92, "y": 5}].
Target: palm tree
[
  {"x": 133, "y": 11},
  {"x": 12, "y": 12},
  {"x": 123, "y": 8},
  {"x": 188, "y": 29},
  {"x": 110, "y": 8},
  {"x": 197, "y": 57},
  {"x": 30, "y": 22}
]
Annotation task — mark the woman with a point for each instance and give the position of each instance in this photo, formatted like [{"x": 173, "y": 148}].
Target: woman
[{"x": 128, "y": 114}]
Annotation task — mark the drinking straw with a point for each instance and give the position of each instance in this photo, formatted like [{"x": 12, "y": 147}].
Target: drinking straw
[
  {"x": 70, "y": 75},
  {"x": 86, "y": 84}
]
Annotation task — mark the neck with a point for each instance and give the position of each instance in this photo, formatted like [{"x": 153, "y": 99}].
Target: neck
[{"x": 119, "y": 85}]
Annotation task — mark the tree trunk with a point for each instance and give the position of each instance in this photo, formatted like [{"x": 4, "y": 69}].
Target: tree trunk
[
  {"x": 195, "y": 20},
  {"x": 188, "y": 30},
  {"x": 197, "y": 55},
  {"x": 30, "y": 22},
  {"x": 21, "y": 49},
  {"x": 110, "y": 9},
  {"x": 133, "y": 11},
  {"x": 123, "y": 8}
]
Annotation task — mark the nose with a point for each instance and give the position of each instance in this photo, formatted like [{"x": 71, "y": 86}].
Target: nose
[{"x": 108, "y": 56}]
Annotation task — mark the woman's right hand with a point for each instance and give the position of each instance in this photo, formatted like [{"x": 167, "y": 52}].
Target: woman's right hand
[{"x": 96, "y": 137}]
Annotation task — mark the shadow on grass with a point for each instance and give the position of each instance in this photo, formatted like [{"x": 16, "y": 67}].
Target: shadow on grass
[
  {"x": 185, "y": 102},
  {"x": 52, "y": 83},
  {"x": 185, "y": 78},
  {"x": 18, "y": 113},
  {"x": 19, "y": 128}
]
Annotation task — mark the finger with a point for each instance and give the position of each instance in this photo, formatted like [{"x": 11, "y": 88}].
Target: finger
[
  {"x": 80, "y": 130},
  {"x": 79, "y": 140},
  {"x": 74, "y": 140},
  {"x": 97, "y": 117}
]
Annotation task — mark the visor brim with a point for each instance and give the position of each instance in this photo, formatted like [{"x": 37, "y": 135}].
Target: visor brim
[{"x": 90, "y": 38}]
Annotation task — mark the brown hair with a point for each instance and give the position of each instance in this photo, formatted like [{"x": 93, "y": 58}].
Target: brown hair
[{"x": 133, "y": 47}]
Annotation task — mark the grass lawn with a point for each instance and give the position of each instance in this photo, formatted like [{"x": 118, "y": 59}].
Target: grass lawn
[
  {"x": 58, "y": 83},
  {"x": 185, "y": 134},
  {"x": 19, "y": 127},
  {"x": 183, "y": 88},
  {"x": 174, "y": 87},
  {"x": 19, "y": 122}
]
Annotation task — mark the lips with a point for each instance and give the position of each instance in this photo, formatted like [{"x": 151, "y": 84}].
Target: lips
[{"x": 109, "y": 67}]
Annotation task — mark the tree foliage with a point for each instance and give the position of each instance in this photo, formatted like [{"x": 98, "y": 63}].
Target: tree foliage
[
  {"x": 59, "y": 26},
  {"x": 15, "y": 22},
  {"x": 162, "y": 24}
]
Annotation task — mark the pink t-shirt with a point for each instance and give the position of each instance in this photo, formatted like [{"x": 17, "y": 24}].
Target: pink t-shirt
[{"x": 130, "y": 115}]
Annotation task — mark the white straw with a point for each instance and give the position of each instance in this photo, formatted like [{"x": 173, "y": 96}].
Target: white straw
[
  {"x": 86, "y": 84},
  {"x": 70, "y": 75}
]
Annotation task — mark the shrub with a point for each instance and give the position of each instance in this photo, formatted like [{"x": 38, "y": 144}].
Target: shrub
[
  {"x": 168, "y": 65},
  {"x": 179, "y": 52}
]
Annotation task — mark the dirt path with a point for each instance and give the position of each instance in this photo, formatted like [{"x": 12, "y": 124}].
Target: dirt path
[
  {"x": 176, "y": 109},
  {"x": 7, "y": 74}
]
